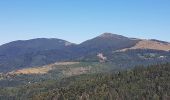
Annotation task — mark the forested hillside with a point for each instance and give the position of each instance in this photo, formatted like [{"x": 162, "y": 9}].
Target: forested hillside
[
  {"x": 140, "y": 83},
  {"x": 116, "y": 48}
]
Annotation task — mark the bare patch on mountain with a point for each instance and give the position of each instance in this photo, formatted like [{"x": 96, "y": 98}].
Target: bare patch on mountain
[
  {"x": 101, "y": 57},
  {"x": 149, "y": 44},
  {"x": 43, "y": 69}
]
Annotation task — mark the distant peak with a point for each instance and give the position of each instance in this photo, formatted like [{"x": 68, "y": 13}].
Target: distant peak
[
  {"x": 106, "y": 34},
  {"x": 111, "y": 35}
]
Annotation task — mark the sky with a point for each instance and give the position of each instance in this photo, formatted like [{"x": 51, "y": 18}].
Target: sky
[{"x": 79, "y": 20}]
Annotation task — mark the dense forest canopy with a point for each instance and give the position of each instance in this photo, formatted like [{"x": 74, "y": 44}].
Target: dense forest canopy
[{"x": 141, "y": 83}]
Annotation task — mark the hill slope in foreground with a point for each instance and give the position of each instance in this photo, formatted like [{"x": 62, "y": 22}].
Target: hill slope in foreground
[{"x": 148, "y": 83}]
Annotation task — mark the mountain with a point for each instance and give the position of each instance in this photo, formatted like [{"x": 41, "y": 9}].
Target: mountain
[
  {"x": 108, "y": 41},
  {"x": 25, "y": 46},
  {"x": 119, "y": 49},
  {"x": 27, "y": 53},
  {"x": 38, "y": 52},
  {"x": 109, "y": 66}
]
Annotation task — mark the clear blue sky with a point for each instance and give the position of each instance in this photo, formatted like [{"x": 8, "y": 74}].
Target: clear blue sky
[{"x": 78, "y": 20}]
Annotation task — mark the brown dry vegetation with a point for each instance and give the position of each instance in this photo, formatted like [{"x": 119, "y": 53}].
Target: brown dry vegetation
[
  {"x": 147, "y": 44},
  {"x": 41, "y": 70}
]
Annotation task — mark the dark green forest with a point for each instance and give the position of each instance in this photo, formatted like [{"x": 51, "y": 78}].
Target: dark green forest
[{"x": 139, "y": 83}]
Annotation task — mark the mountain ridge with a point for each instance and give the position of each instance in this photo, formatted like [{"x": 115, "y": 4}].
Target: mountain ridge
[{"x": 43, "y": 51}]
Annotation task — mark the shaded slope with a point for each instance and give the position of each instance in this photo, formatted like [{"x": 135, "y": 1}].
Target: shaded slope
[
  {"x": 19, "y": 54},
  {"x": 108, "y": 41},
  {"x": 25, "y": 46},
  {"x": 39, "y": 52}
]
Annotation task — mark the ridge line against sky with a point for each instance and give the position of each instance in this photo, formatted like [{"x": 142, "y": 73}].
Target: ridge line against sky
[{"x": 80, "y": 20}]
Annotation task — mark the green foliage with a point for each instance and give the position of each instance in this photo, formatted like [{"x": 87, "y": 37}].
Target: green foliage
[{"x": 141, "y": 83}]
